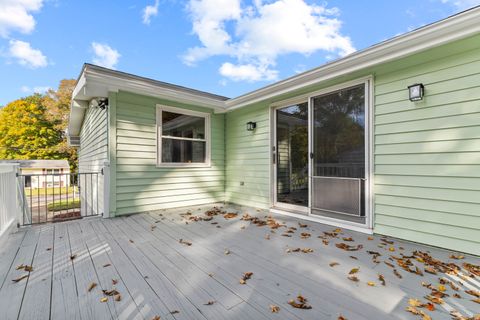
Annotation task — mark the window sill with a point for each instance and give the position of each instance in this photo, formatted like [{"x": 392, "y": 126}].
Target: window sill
[{"x": 184, "y": 165}]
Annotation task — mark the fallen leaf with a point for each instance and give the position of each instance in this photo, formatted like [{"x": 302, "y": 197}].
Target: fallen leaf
[
  {"x": 430, "y": 306},
  {"x": 430, "y": 270},
  {"x": 371, "y": 283},
  {"x": 274, "y": 309},
  {"x": 354, "y": 270},
  {"x": 107, "y": 265},
  {"x": 300, "y": 303},
  {"x": 301, "y": 225},
  {"x": 340, "y": 317},
  {"x": 370, "y": 238},
  {"x": 187, "y": 243},
  {"x": 305, "y": 235},
  {"x": 476, "y": 300},
  {"x": 230, "y": 215},
  {"x": 152, "y": 227},
  {"x": 114, "y": 281},
  {"x": 395, "y": 272},
  {"x": 156, "y": 318},
  {"x": 382, "y": 279},
  {"x": 227, "y": 252},
  {"x": 48, "y": 249},
  {"x": 456, "y": 257},
  {"x": 433, "y": 299},
  {"x": 209, "y": 303},
  {"x": 104, "y": 299},
  {"x": 333, "y": 264},
  {"x": 73, "y": 256},
  {"x": 441, "y": 288},
  {"x": 349, "y": 239},
  {"x": 174, "y": 312},
  {"x": 353, "y": 278},
  {"x": 347, "y": 247},
  {"x": 20, "y": 278},
  {"x": 391, "y": 249},
  {"x": 414, "y": 302},
  {"x": 131, "y": 241},
  {"x": 353, "y": 257},
  {"x": 474, "y": 293},
  {"x": 91, "y": 286},
  {"x": 110, "y": 293},
  {"x": 413, "y": 310},
  {"x": 246, "y": 276},
  {"x": 117, "y": 297},
  {"x": 267, "y": 237},
  {"x": 456, "y": 295}
]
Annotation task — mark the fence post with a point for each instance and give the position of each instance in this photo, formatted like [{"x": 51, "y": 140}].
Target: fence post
[{"x": 106, "y": 189}]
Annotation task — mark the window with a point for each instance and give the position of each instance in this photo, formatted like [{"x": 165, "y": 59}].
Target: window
[{"x": 183, "y": 138}]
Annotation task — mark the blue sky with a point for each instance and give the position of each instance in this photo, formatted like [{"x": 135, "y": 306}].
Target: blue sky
[{"x": 227, "y": 47}]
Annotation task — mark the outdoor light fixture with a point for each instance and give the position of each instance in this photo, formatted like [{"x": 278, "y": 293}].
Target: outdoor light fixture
[
  {"x": 415, "y": 92},
  {"x": 251, "y": 126}
]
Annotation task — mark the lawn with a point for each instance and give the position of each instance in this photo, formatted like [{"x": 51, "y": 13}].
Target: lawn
[
  {"x": 50, "y": 191},
  {"x": 64, "y": 205}
]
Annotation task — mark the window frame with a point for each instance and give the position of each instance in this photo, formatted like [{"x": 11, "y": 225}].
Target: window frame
[{"x": 160, "y": 136}]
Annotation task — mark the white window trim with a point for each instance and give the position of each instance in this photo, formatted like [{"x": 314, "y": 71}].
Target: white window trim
[{"x": 207, "y": 139}]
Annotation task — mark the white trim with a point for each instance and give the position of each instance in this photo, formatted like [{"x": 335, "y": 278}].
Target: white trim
[
  {"x": 325, "y": 220},
  {"x": 159, "y": 136},
  {"x": 273, "y": 167}
]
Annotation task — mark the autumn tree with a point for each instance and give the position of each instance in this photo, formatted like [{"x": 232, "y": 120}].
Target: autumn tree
[{"x": 34, "y": 127}]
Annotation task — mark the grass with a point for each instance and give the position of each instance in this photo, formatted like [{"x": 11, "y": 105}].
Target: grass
[
  {"x": 50, "y": 191},
  {"x": 63, "y": 205}
]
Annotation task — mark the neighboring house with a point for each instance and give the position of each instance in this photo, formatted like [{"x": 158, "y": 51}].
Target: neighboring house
[
  {"x": 376, "y": 160},
  {"x": 43, "y": 173}
]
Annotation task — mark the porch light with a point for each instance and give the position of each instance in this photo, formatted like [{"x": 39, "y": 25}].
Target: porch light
[
  {"x": 251, "y": 126},
  {"x": 415, "y": 92}
]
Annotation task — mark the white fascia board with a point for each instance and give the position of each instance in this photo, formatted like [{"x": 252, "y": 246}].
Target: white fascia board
[
  {"x": 451, "y": 29},
  {"x": 100, "y": 84},
  {"x": 77, "y": 113}
]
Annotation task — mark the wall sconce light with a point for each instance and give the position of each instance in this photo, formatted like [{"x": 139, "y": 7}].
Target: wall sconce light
[
  {"x": 251, "y": 126},
  {"x": 415, "y": 92}
]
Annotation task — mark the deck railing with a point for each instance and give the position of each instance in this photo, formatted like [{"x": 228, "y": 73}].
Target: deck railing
[{"x": 10, "y": 209}]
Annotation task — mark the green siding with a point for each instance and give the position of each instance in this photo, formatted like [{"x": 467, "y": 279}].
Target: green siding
[
  {"x": 427, "y": 154},
  {"x": 248, "y": 157},
  {"x": 140, "y": 185},
  {"x": 92, "y": 156}
]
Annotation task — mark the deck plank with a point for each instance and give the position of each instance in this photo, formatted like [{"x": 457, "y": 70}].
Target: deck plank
[
  {"x": 36, "y": 301},
  {"x": 11, "y": 294},
  {"x": 106, "y": 273},
  {"x": 65, "y": 303},
  {"x": 171, "y": 296},
  {"x": 8, "y": 250},
  {"x": 90, "y": 305},
  {"x": 148, "y": 302}
]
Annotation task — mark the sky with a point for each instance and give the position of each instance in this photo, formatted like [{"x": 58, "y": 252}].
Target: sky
[{"x": 227, "y": 47}]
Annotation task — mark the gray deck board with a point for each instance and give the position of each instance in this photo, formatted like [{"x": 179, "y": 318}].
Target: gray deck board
[{"x": 157, "y": 275}]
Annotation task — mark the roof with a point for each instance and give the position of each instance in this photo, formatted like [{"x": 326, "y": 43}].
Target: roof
[
  {"x": 95, "y": 81},
  {"x": 40, "y": 164}
]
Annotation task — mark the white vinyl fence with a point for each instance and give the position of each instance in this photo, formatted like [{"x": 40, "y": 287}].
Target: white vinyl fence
[{"x": 10, "y": 209}]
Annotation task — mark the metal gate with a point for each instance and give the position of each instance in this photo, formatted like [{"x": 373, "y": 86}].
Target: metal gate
[{"x": 60, "y": 196}]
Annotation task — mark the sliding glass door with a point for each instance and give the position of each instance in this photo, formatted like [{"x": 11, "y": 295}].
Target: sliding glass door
[
  {"x": 291, "y": 157},
  {"x": 338, "y": 154}
]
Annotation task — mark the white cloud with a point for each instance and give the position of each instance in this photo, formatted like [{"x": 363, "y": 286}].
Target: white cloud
[
  {"x": 26, "y": 55},
  {"x": 247, "y": 72},
  {"x": 16, "y": 15},
  {"x": 105, "y": 55},
  {"x": 257, "y": 34},
  {"x": 38, "y": 89},
  {"x": 150, "y": 11},
  {"x": 463, "y": 4}
]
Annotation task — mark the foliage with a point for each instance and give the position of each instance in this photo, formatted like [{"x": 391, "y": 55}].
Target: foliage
[
  {"x": 64, "y": 205},
  {"x": 34, "y": 127}
]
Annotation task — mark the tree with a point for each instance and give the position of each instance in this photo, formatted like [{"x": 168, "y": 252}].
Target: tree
[{"x": 34, "y": 127}]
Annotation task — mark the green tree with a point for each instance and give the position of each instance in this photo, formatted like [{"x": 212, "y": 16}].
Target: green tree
[{"x": 34, "y": 127}]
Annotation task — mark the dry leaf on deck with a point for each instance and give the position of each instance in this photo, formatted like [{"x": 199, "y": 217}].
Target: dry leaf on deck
[
  {"x": 104, "y": 299},
  {"x": 433, "y": 299},
  {"x": 20, "y": 278},
  {"x": 301, "y": 225},
  {"x": 300, "y": 303},
  {"x": 267, "y": 237},
  {"x": 274, "y": 309},
  {"x": 112, "y": 292},
  {"x": 114, "y": 281},
  {"x": 131, "y": 241},
  {"x": 187, "y": 243},
  {"x": 305, "y": 235},
  {"x": 91, "y": 286},
  {"x": 415, "y": 302},
  {"x": 430, "y": 269},
  {"x": 209, "y": 303},
  {"x": 370, "y": 238},
  {"x": 340, "y": 317},
  {"x": 371, "y": 283},
  {"x": 457, "y": 257},
  {"x": 347, "y": 247},
  {"x": 156, "y": 318},
  {"x": 413, "y": 310},
  {"x": 474, "y": 293},
  {"x": 333, "y": 264},
  {"x": 73, "y": 256},
  {"x": 354, "y": 270},
  {"x": 174, "y": 312},
  {"x": 349, "y": 239},
  {"x": 227, "y": 252},
  {"x": 353, "y": 278},
  {"x": 382, "y": 279},
  {"x": 107, "y": 265},
  {"x": 230, "y": 215},
  {"x": 476, "y": 300},
  {"x": 117, "y": 297},
  {"x": 246, "y": 276},
  {"x": 395, "y": 272}
]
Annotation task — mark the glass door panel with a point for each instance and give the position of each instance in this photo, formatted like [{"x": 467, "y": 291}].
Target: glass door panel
[
  {"x": 338, "y": 177},
  {"x": 292, "y": 155}
]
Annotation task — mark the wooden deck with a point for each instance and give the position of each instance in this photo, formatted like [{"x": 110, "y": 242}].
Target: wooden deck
[{"x": 156, "y": 275}]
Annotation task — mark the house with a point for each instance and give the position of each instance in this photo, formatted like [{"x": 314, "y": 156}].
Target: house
[
  {"x": 43, "y": 173},
  {"x": 385, "y": 140}
]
